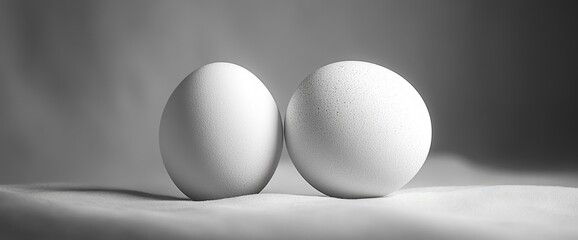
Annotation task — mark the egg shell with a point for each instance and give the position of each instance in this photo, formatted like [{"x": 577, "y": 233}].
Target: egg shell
[
  {"x": 356, "y": 129},
  {"x": 221, "y": 133}
]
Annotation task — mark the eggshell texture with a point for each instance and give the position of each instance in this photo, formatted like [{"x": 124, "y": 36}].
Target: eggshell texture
[
  {"x": 221, "y": 133},
  {"x": 356, "y": 129}
]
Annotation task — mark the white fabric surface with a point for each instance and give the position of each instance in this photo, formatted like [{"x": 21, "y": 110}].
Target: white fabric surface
[
  {"x": 491, "y": 212},
  {"x": 290, "y": 209}
]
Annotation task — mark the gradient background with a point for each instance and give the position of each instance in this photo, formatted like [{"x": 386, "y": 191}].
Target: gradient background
[{"x": 83, "y": 83}]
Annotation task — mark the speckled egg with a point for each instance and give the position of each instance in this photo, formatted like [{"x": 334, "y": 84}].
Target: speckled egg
[
  {"x": 355, "y": 129},
  {"x": 221, "y": 133}
]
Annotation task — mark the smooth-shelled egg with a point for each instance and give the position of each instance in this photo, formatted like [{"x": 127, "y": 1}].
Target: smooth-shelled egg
[{"x": 221, "y": 133}]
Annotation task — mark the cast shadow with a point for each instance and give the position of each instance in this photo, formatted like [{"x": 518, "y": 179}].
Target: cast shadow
[{"x": 112, "y": 190}]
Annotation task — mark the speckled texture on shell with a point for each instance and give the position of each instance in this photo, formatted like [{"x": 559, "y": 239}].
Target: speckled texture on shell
[
  {"x": 221, "y": 133},
  {"x": 356, "y": 129}
]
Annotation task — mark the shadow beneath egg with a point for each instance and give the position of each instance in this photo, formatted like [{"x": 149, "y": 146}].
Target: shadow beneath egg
[{"x": 110, "y": 190}]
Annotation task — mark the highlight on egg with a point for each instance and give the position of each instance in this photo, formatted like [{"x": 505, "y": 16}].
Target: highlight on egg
[
  {"x": 221, "y": 133},
  {"x": 355, "y": 129}
]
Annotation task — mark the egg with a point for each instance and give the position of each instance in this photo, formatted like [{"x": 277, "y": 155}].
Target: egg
[
  {"x": 221, "y": 133},
  {"x": 355, "y": 129}
]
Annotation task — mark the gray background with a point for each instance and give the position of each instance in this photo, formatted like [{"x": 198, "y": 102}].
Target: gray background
[{"x": 83, "y": 83}]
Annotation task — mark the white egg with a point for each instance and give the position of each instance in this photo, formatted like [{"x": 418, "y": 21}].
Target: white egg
[
  {"x": 221, "y": 133},
  {"x": 355, "y": 129}
]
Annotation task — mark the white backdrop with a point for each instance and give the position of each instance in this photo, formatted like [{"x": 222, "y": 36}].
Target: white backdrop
[{"x": 83, "y": 83}]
